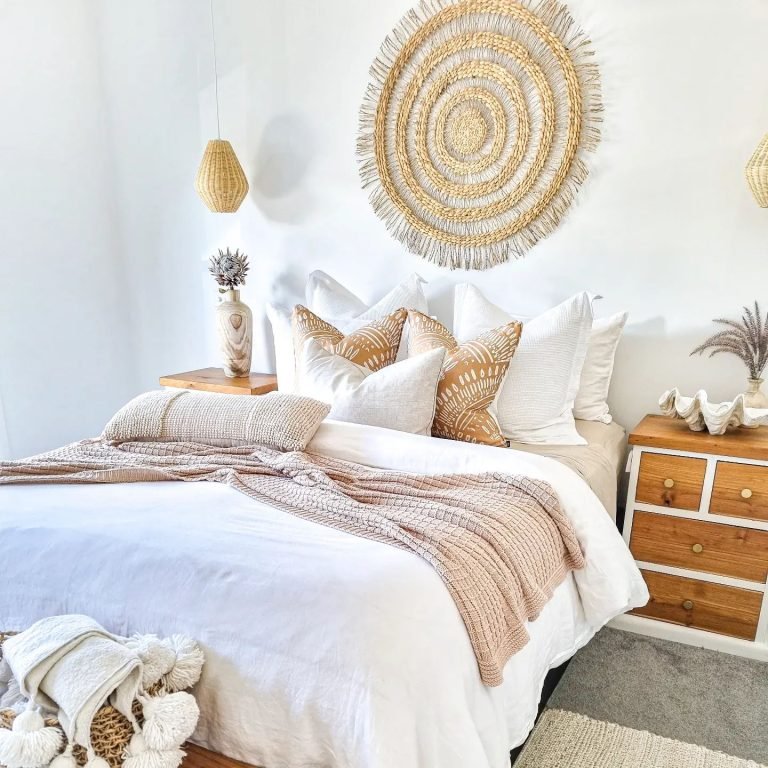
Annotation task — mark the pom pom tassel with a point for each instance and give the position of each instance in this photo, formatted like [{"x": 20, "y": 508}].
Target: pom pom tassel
[
  {"x": 169, "y": 720},
  {"x": 157, "y": 657},
  {"x": 188, "y": 663},
  {"x": 29, "y": 743},
  {"x": 65, "y": 760},
  {"x": 137, "y": 755},
  {"x": 94, "y": 761}
]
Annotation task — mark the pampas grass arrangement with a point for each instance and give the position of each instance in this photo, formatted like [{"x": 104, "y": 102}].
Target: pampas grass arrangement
[{"x": 747, "y": 339}]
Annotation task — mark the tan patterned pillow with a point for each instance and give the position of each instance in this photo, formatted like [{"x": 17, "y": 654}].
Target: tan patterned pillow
[
  {"x": 471, "y": 377},
  {"x": 373, "y": 346}
]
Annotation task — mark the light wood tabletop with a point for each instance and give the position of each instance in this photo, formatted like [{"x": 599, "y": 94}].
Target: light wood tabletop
[
  {"x": 662, "y": 432},
  {"x": 215, "y": 380}
]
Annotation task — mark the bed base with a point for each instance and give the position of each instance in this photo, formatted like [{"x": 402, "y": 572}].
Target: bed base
[
  {"x": 550, "y": 683},
  {"x": 198, "y": 757}
]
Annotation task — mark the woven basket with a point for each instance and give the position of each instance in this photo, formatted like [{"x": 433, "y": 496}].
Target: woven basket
[
  {"x": 110, "y": 731},
  {"x": 110, "y": 734}
]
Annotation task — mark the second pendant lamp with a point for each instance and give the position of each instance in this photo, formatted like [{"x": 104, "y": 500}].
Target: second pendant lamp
[{"x": 220, "y": 181}]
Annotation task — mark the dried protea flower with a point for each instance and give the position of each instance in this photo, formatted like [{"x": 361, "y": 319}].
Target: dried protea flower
[
  {"x": 229, "y": 269},
  {"x": 748, "y": 340}
]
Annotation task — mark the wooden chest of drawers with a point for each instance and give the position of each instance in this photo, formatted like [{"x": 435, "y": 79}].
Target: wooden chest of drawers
[{"x": 697, "y": 525}]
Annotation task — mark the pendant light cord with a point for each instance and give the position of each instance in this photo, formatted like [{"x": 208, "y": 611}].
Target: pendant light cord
[{"x": 215, "y": 73}]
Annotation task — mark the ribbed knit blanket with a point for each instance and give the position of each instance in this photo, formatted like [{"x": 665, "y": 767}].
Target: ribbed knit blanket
[{"x": 500, "y": 543}]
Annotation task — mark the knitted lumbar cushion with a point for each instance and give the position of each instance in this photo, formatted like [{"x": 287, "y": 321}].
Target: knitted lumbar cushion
[{"x": 282, "y": 421}]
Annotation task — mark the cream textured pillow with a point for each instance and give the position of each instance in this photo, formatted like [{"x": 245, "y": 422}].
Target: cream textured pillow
[
  {"x": 400, "y": 396},
  {"x": 285, "y": 422},
  {"x": 592, "y": 399},
  {"x": 535, "y": 402},
  {"x": 472, "y": 375}
]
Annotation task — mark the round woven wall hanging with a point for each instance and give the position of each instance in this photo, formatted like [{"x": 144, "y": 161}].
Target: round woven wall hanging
[{"x": 474, "y": 126}]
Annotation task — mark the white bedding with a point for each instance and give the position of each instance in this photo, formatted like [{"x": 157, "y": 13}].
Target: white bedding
[
  {"x": 599, "y": 462},
  {"x": 323, "y": 649}
]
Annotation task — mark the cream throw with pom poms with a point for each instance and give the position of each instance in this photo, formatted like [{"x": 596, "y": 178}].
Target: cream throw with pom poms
[
  {"x": 70, "y": 665},
  {"x": 73, "y": 665}
]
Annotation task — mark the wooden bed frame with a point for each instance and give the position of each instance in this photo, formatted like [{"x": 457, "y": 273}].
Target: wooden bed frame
[{"x": 198, "y": 757}]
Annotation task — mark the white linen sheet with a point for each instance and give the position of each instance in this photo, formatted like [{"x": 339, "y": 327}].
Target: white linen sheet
[
  {"x": 599, "y": 462},
  {"x": 323, "y": 649}
]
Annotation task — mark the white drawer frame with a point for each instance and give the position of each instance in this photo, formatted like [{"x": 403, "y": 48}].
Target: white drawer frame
[{"x": 665, "y": 630}]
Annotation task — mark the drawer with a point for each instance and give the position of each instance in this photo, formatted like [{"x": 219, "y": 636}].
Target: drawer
[
  {"x": 670, "y": 481},
  {"x": 700, "y": 604},
  {"x": 728, "y": 550},
  {"x": 740, "y": 490}
]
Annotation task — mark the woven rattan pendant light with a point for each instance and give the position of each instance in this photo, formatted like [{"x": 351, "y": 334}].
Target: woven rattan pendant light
[
  {"x": 757, "y": 173},
  {"x": 220, "y": 181}
]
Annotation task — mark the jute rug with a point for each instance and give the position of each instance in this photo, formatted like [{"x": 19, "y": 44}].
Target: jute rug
[{"x": 569, "y": 740}]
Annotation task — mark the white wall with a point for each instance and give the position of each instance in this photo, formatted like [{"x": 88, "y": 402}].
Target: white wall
[
  {"x": 5, "y": 450},
  {"x": 64, "y": 348},
  {"x": 150, "y": 55},
  {"x": 665, "y": 226},
  {"x": 157, "y": 59}
]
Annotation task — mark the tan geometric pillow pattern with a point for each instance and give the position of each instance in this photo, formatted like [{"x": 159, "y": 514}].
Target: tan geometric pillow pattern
[
  {"x": 373, "y": 346},
  {"x": 471, "y": 377}
]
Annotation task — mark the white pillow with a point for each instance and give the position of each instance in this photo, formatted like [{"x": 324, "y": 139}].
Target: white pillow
[
  {"x": 400, "y": 396},
  {"x": 591, "y": 400},
  {"x": 535, "y": 402},
  {"x": 338, "y": 306},
  {"x": 282, "y": 336}
]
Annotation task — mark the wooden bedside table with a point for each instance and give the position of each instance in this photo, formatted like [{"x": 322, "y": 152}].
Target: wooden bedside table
[
  {"x": 697, "y": 525},
  {"x": 214, "y": 380}
]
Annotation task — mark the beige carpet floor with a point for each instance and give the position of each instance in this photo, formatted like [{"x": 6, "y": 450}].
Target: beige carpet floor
[{"x": 569, "y": 740}]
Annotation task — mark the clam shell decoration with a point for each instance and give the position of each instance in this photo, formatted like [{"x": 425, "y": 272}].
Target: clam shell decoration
[{"x": 699, "y": 414}]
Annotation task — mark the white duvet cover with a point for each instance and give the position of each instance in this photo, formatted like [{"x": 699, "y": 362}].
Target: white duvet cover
[{"x": 323, "y": 649}]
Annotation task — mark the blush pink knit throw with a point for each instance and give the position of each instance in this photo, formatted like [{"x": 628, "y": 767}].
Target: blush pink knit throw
[{"x": 500, "y": 543}]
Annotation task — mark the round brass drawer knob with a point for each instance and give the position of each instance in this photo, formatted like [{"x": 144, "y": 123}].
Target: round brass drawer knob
[
  {"x": 669, "y": 483},
  {"x": 746, "y": 493},
  {"x": 697, "y": 548},
  {"x": 688, "y": 605}
]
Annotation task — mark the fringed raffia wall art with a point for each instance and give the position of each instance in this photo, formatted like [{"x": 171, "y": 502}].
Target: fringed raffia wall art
[{"x": 474, "y": 127}]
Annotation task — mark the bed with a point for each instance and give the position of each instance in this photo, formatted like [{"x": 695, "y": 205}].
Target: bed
[
  {"x": 599, "y": 462},
  {"x": 323, "y": 648}
]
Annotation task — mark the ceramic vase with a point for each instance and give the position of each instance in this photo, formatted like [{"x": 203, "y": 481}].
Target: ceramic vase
[
  {"x": 754, "y": 397},
  {"x": 235, "y": 325}
]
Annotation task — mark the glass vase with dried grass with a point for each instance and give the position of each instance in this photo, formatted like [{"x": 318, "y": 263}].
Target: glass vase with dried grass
[{"x": 748, "y": 340}]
